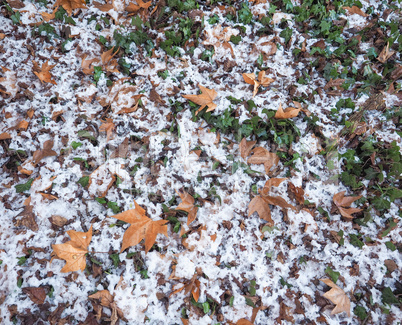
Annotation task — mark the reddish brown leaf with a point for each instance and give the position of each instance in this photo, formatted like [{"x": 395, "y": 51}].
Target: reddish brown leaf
[
  {"x": 343, "y": 204},
  {"x": 187, "y": 205},
  {"x": 43, "y": 73},
  {"x": 259, "y": 205},
  {"x": 263, "y": 156},
  {"x": 37, "y": 295},
  {"x": 45, "y": 152},
  {"x": 245, "y": 147}
]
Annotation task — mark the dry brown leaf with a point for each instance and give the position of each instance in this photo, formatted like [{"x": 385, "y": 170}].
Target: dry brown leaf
[
  {"x": 259, "y": 205},
  {"x": 107, "y": 126},
  {"x": 343, "y": 204},
  {"x": 47, "y": 17},
  {"x": 5, "y": 136},
  {"x": 260, "y": 81},
  {"x": 245, "y": 147},
  {"x": 104, "y": 297},
  {"x": 298, "y": 192},
  {"x": 287, "y": 113},
  {"x": 28, "y": 217},
  {"x": 219, "y": 37},
  {"x": 45, "y": 152},
  {"x": 337, "y": 296},
  {"x": 70, "y": 5},
  {"x": 43, "y": 73},
  {"x": 22, "y": 125},
  {"x": 141, "y": 228},
  {"x": 187, "y": 205},
  {"x": 133, "y": 8},
  {"x": 105, "y": 7},
  {"x": 243, "y": 321},
  {"x": 2, "y": 35},
  {"x": 108, "y": 62},
  {"x": 355, "y": 10},
  {"x": 385, "y": 54},
  {"x": 86, "y": 65},
  {"x": 263, "y": 156},
  {"x": 37, "y": 295},
  {"x": 74, "y": 251},
  {"x": 192, "y": 286},
  {"x": 205, "y": 99}
]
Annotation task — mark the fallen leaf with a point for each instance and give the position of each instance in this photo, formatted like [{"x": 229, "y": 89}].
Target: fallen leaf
[
  {"x": 104, "y": 297},
  {"x": 245, "y": 147},
  {"x": 385, "y": 54},
  {"x": 37, "y": 295},
  {"x": 205, "y": 99},
  {"x": 259, "y": 205},
  {"x": 133, "y": 8},
  {"x": 261, "y": 81},
  {"x": 28, "y": 218},
  {"x": 187, "y": 205},
  {"x": 141, "y": 228},
  {"x": 87, "y": 66},
  {"x": 103, "y": 7},
  {"x": 219, "y": 37},
  {"x": 107, "y": 126},
  {"x": 192, "y": 286},
  {"x": 74, "y": 251},
  {"x": 70, "y": 5},
  {"x": 263, "y": 156},
  {"x": 108, "y": 62},
  {"x": 287, "y": 113},
  {"x": 243, "y": 321},
  {"x": 43, "y": 73},
  {"x": 45, "y": 152},
  {"x": 355, "y": 10},
  {"x": 298, "y": 192},
  {"x": 343, "y": 204},
  {"x": 337, "y": 296},
  {"x": 5, "y": 136},
  {"x": 48, "y": 17}
]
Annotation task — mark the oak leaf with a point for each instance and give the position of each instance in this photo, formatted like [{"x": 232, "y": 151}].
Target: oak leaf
[
  {"x": 287, "y": 112},
  {"x": 263, "y": 156},
  {"x": 187, "y": 205},
  {"x": 141, "y": 228},
  {"x": 70, "y": 5},
  {"x": 260, "y": 81},
  {"x": 45, "y": 152},
  {"x": 337, "y": 296},
  {"x": 74, "y": 251},
  {"x": 245, "y": 147},
  {"x": 43, "y": 73},
  {"x": 205, "y": 99},
  {"x": 343, "y": 203}
]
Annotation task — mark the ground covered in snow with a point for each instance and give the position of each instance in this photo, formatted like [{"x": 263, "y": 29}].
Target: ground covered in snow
[{"x": 257, "y": 208}]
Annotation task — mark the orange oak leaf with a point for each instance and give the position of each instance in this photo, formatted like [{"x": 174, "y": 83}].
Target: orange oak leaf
[
  {"x": 70, "y": 5},
  {"x": 260, "y": 81},
  {"x": 133, "y": 8},
  {"x": 43, "y": 73},
  {"x": 245, "y": 147},
  {"x": 45, "y": 152},
  {"x": 108, "y": 127},
  {"x": 74, "y": 251},
  {"x": 337, "y": 296},
  {"x": 187, "y": 205},
  {"x": 261, "y": 202},
  {"x": 263, "y": 156},
  {"x": 141, "y": 228},
  {"x": 355, "y": 10},
  {"x": 343, "y": 203},
  {"x": 205, "y": 99},
  {"x": 287, "y": 113},
  {"x": 385, "y": 54}
]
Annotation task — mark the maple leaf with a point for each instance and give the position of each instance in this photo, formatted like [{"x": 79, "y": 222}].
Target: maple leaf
[
  {"x": 108, "y": 62},
  {"x": 343, "y": 203},
  {"x": 43, "y": 73},
  {"x": 263, "y": 156},
  {"x": 70, "y": 5},
  {"x": 187, "y": 205},
  {"x": 74, "y": 251},
  {"x": 261, "y": 81},
  {"x": 45, "y": 152},
  {"x": 287, "y": 113},
  {"x": 385, "y": 54},
  {"x": 260, "y": 203},
  {"x": 141, "y": 228},
  {"x": 245, "y": 147},
  {"x": 337, "y": 296},
  {"x": 108, "y": 127},
  {"x": 133, "y": 8},
  {"x": 205, "y": 99}
]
